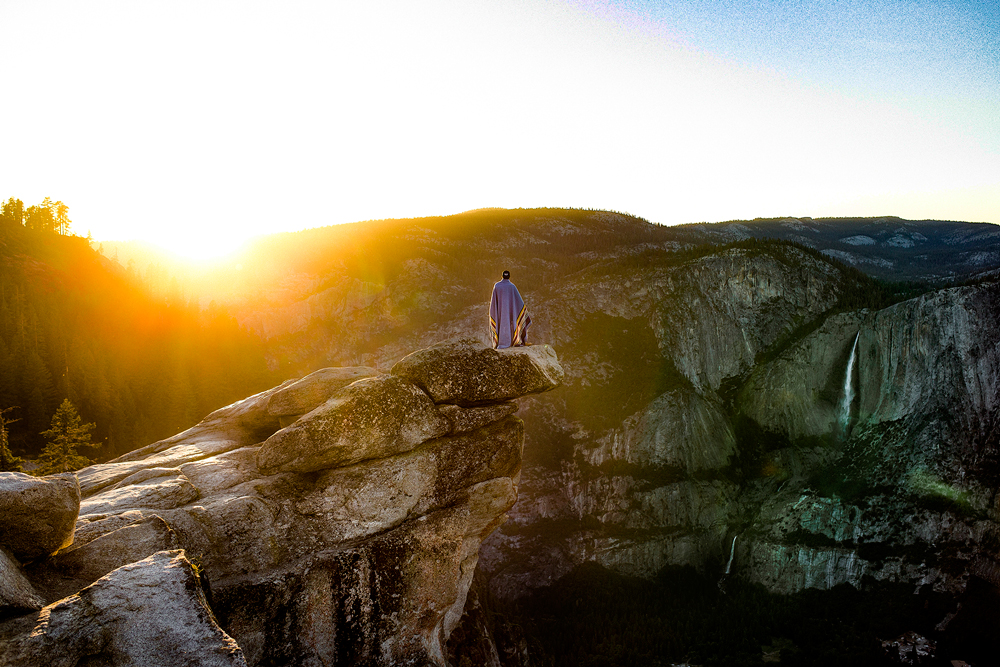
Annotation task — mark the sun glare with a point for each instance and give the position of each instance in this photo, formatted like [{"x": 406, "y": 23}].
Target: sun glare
[
  {"x": 202, "y": 248},
  {"x": 399, "y": 109}
]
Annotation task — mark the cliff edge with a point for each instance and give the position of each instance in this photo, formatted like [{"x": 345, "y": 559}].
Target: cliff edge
[{"x": 335, "y": 519}]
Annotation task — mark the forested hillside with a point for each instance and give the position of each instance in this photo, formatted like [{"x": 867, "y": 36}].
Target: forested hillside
[{"x": 74, "y": 325}]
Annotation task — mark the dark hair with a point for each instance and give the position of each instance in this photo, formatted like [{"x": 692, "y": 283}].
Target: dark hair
[{"x": 506, "y": 274}]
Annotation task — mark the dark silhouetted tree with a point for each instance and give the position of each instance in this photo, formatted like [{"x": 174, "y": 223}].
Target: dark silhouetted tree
[
  {"x": 8, "y": 462},
  {"x": 64, "y": 436},
  {"x": 12, "y": 212}
]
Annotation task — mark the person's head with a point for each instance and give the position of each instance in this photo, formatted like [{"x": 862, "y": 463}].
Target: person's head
[{"x": 506, "y": 275}]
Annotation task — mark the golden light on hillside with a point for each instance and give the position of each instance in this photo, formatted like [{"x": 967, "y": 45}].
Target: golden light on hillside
[{"x": 202, "y": 246}]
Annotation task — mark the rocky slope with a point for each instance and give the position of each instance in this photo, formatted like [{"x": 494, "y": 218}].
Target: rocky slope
[{"x": 331, "y": 520}]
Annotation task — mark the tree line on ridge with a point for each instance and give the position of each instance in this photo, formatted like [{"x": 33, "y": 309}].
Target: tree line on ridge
[{"x": 75, "y": 326}]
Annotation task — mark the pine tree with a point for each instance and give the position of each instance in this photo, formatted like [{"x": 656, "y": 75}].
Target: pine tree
[
  {"x": 65, "y": 434},
  {"x": 8, "y": 462}
]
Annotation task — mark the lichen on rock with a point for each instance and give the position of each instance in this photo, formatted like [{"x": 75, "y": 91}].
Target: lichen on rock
[{"x": 467, "y": 372}]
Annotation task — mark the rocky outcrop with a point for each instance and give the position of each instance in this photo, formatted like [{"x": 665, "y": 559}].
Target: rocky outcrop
[
  {"x": 348, "y": 536},
  {"x": 466, "y": 372},
  {"x": 370, "y": 419},
  {"x": 307, "y": 394},
  {"x": 16, "y": 592},
  {"x": 151, "y": 612},
  {"x": 37, "y": 515}
]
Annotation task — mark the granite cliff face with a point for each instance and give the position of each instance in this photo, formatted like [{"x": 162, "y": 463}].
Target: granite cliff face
[
  {"x": 767, "y": 471},
  {"x": 904, "y": 485},
  {"x": 350, "y": 535},
  {"x": 652, "y": 478}
]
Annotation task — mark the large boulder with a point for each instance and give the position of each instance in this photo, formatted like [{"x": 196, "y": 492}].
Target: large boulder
[
  {"x": 120, "y": 547},
  {"x": 80, "y": 566},
  {"x": 281, "y": 519},
  {"x": 37, "y": 514},
  {"x": 467, "y": 372},
  {"x": 371, "y": 418},
  {"x": 152, "y": 612}
]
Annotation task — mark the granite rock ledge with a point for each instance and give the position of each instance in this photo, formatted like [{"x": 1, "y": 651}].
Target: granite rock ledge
[{"x": 332, "y": 520}]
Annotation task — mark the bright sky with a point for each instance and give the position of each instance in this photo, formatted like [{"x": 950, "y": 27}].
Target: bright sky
[{"x": 195, "y": 125}]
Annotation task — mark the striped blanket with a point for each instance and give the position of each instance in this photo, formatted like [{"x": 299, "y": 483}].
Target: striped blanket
[{"x": 509, "y": 318}]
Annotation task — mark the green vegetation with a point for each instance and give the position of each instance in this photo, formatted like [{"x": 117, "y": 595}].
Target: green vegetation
[
  {"x": 64, "y": 435},
  {"x": 936, "y": 495},
  {"x": 8, "y": 462}
]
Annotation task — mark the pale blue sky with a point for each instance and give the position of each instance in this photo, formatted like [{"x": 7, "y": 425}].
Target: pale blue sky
[
  {"x": 934, "y": 57},
  {"x": 196, "y": 124}
]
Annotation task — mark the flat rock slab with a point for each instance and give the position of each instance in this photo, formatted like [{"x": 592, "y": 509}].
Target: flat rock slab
[
  {"x": 88, "y": 529},
  {"x": 315, "y": 389},
  {"x": 100, "y": 476},
  {"x": 218, "y": 473},
  {"x": 464, "y": 420},
  {"x": 152, "y": 612},
  {"x": 37, "y": 514},
  {"x": 371, "y": 418},
  {"x": 467, "y": 372},
  {"x": 161, "y": 493}
]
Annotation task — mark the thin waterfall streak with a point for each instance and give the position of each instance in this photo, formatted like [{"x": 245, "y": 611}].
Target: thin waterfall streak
[
  {"x": 732, "y": 552},
  {"x": 845, "y": 406}
]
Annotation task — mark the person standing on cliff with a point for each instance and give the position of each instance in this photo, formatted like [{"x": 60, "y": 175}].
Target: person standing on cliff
[{"x": 509, "y": 319}]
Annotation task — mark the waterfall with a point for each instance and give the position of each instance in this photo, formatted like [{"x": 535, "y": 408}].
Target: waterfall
[
  {"x": 732, "y": 552},
  {"x": 729, "y": 565},
  {"x": 845, "y": 405}
]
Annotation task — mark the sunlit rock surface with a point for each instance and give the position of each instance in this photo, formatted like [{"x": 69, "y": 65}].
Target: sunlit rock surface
[
  {"x": 349, "y": 536},
  {"x": 37, "y": 515},
  {"x": 466, "y": 372},
  {"x": 150, "y": 612}
]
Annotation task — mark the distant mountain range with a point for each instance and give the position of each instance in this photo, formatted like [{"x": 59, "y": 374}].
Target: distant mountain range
[{"x": 888, "y": 248}]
